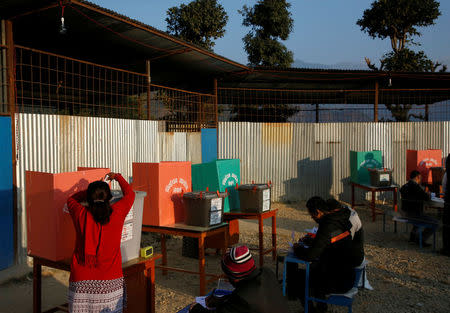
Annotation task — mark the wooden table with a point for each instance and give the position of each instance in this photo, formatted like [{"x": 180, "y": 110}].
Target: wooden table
[
  {"x": 260, "y": 217},
  {"x": 374, "y": 190},
  {"x": 135, "y": 293},
  {"x": 194, "y": 232}
]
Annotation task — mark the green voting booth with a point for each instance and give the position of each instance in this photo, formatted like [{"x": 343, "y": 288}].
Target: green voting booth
[
  {"x": 221, "y": 175},
  {"x": 361, "y": 162}
]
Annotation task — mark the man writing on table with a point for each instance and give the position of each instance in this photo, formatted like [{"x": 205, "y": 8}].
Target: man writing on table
[
  {"x": 413, "y": 197},
  {"x": 336, "y": 249}
]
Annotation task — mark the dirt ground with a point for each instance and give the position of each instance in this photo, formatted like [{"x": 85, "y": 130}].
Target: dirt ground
[{"x": 405, "y": 278}]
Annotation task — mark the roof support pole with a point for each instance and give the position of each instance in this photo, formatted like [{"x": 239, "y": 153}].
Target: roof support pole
[
  {"x": 317, "y": 112},
  {"x": 375, "y": 106},
  {"x": 216, "y": 106},
  {"x": 10, "y": 66},
  {"x": 35, "y": 11},
  {"x": 149, "y": 80}
]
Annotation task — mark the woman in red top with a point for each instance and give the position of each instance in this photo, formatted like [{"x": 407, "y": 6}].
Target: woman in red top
[{"x": 96, "y": 281}]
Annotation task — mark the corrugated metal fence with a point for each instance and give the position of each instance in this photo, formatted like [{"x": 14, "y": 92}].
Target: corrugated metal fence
[
  {"x": 304, "y": 159},
  {"x": 301, "y": 159}
]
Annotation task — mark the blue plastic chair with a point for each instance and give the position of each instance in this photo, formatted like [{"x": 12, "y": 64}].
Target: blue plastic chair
[
  {"x": 420, "y": 228},
  {"x": 336, "y": 299}
]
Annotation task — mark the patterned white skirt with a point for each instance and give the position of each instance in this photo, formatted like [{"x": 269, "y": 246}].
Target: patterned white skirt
[{"x": 95, "y": 296}]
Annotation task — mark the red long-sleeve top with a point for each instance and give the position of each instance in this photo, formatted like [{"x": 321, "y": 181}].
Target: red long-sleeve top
[{"x": 109, "y": 258}]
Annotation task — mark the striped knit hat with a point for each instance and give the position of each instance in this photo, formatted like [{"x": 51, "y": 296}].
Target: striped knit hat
[{"x": 238, "y": 263}]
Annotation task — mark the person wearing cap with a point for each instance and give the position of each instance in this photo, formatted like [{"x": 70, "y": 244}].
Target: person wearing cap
[
  {"x": 334, "y": 251},
  {"x": 256, "y": 289}
]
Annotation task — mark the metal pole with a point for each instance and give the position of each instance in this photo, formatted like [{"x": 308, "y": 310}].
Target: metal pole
[
  {"x": 10, "y": 65},
  {"x": 317, "y": 113},
  {"x": 427, "y": 114},
  {"x": 216, "y": 104},
  {"x": 375, "y": 106},
  {"x": 149, "y": 80}
]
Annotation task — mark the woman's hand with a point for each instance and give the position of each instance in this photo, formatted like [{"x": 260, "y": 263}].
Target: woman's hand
[{"x": 111, "y": 176}]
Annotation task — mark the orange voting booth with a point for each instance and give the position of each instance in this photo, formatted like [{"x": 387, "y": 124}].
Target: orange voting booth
[
  {"x": 165, "y": 183},
  {"x": 50, "y": 231},
  {"x": 423, "y": 161}
]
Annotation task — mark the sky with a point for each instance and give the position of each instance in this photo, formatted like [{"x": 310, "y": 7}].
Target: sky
[{"x": 325, "y": 31}]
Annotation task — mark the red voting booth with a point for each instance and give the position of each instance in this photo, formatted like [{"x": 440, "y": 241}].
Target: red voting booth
[
  {"x": 165, "y": 183},
  {"x": 50, "y": 231},
  {"x": 423, "y": 161}
]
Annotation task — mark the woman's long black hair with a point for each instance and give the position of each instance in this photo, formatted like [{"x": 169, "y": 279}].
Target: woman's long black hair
[{"x": 98, "y": 196}]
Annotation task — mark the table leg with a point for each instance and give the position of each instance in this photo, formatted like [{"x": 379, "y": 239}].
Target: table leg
[
  {"x": 395, "y": 208},
  {"x": 373, "y": 206},
  {"x": 225, "y": 240},
  {"x": 164, "y": 253},
  {"x": 150, "y": 277},
  {"x": 353, "y": 196},
  {"x": 37, "y": 280},
  {"x": 274, "y": 237},
  {"x": 395, "y": 199},
  {"x": 261, "y": 239},
  {"x": 201, "y": 262}
]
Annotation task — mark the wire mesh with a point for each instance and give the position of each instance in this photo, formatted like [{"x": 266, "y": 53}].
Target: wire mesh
[
  {"x": 405, "y": 105},
  {"x": 53, "y": 84},
  {"x": 321, "y": 106},
  {"x": 182, "y": 110}
]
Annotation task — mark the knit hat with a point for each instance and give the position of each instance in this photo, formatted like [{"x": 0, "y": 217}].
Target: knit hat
[{"x": 238, "y": 263}]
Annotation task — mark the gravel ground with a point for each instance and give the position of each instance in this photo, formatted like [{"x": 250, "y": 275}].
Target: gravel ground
[{"x": 405, "y": 278}]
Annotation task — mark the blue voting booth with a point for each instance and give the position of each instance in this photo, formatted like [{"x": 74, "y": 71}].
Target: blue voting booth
[{"x": 6, "y": 195}]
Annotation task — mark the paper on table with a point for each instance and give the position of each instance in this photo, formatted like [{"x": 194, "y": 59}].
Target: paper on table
[
  {"x": 312, "y": 230},
  {"x": 202, "y": 302},
  {"x": 437, "y": 199},
  {"x": 291, "y": 243}
]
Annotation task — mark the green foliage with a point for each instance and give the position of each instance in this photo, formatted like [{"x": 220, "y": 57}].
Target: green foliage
[
  {"x": 409, "y": 61},
  {"x": 398, "y": 19},
  {"x": 267, "y": 52},
  {"x": 198, "y": 22},
  {"x": 270, "y": 20}
]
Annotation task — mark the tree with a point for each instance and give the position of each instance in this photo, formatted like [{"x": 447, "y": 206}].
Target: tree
[
  {"x": 398, "y": 20},
  {"x": 199, "y": 22},
  {"x": 270, "y": 20}
]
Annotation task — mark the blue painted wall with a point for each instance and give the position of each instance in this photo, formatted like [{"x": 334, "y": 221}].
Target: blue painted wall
[
  {"x": 209, "y": 144},
  {"x": 6, "y": 195}
]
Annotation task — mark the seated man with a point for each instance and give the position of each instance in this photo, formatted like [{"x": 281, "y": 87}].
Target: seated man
[
  {"x": 256, "y": 289},
  {"x": 413, "y": 197},
  {"x": 336, "y": 249}
]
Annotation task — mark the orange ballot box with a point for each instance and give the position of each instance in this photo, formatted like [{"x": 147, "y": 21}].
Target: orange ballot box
[
  {"x": 423, "y": 161},
  {"x": 165, "y": 183},
  {"x": 50, "y": 231}
]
